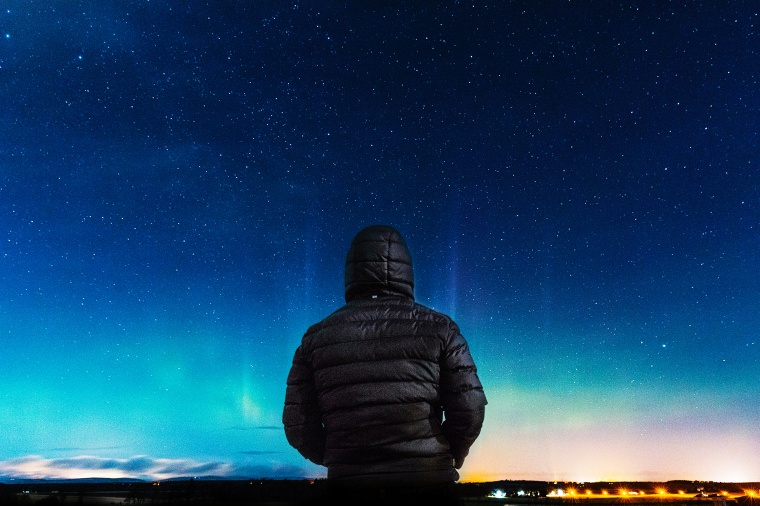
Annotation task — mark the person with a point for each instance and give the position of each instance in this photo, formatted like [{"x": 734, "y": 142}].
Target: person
[{"x": 384, "y": 391}]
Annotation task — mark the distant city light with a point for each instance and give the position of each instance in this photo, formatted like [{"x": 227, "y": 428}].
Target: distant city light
[{"x": 498, "y": 494}]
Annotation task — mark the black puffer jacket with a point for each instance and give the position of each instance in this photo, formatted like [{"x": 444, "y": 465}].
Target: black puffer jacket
[{"x": 372, "y": 383}]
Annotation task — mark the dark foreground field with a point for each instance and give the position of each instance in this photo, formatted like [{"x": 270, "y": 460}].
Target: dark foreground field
[{"x": 294, "y": 492}]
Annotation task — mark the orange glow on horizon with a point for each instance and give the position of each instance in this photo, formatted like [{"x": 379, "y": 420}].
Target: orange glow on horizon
[{"x": 479, "y": 477}]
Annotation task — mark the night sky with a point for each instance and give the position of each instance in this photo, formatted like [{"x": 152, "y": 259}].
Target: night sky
[{"x": 577, "y": 182}]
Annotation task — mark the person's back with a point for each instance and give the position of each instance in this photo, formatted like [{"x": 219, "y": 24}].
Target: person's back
[{"x": 372, "y": 383}]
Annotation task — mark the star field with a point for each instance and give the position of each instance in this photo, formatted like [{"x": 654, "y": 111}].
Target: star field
[{"x": 578, "y": 186}]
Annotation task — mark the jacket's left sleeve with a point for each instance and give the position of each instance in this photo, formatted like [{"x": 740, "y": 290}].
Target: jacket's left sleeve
[
  {"x": 301, "y": 418},
  {"x": 462, "y": 396}
]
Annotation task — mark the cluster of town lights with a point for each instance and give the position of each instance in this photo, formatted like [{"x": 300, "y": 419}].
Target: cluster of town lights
[{"x": 624, "y": 493}]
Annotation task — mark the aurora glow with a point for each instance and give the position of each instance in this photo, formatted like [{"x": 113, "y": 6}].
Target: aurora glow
[{"x": 577, "y": 183}]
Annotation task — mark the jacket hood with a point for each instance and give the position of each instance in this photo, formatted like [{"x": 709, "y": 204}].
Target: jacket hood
[{"x": 378, "y": 263}]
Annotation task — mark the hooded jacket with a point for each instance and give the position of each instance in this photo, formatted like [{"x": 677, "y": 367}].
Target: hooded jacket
[{"x": 383, "y": 391}]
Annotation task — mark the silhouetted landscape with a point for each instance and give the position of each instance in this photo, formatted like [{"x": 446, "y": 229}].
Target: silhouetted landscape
[{"x": 213, "y": 491}]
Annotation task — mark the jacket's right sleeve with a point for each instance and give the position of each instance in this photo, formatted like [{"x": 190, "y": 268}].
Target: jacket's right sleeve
[
  {"x": 301, "y": 417},
  {"x": 462, "y": 396}
]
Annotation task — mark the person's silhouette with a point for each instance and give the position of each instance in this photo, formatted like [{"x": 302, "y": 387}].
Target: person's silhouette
[{"x": 384, "y": 391}]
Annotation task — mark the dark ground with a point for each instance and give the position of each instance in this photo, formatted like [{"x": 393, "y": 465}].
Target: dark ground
[{"x": 286, "y": 492}]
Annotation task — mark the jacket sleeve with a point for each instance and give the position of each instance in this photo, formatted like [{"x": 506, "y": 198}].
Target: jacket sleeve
[
  {"x": 301, "y": 417},
  {"x": 462, "y": 396}
]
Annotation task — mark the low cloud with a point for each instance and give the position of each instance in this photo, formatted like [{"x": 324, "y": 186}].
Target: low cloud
[{"x": 143, "y": 467}]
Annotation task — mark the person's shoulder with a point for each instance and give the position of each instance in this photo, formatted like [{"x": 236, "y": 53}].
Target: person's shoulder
[
  {"x": 430, "y": 314},
  {"x": 331, "y": 319}
]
